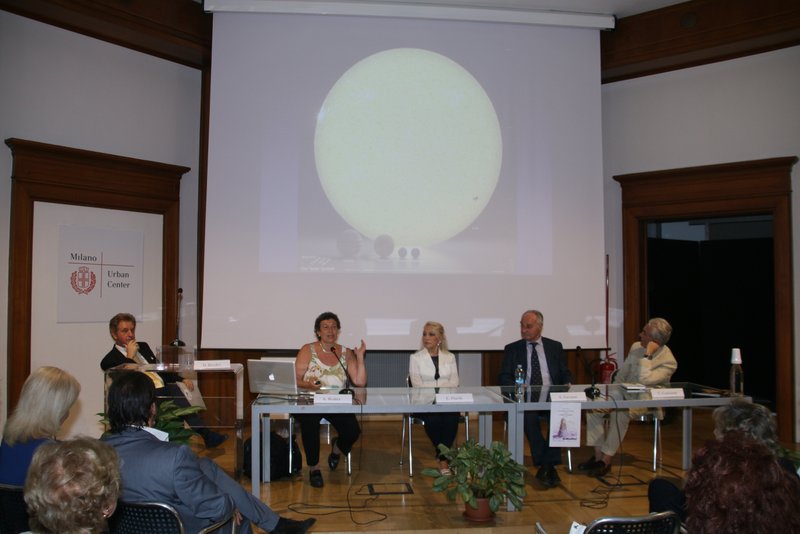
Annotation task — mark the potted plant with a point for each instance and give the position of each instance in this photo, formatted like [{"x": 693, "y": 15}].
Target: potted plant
[{"x": 480, "y": 474}]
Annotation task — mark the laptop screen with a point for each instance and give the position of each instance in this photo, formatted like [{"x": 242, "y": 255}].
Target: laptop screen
[{"x": 272, "y": 375}]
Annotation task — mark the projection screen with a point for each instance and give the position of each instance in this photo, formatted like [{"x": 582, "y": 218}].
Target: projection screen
[{"x": 396, "y": 171}]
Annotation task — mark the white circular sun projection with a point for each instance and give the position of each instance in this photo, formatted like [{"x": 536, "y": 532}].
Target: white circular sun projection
[{"x": 408, "y": 146}]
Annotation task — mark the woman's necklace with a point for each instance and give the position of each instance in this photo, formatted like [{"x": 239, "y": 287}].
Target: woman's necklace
[{"x": 327, "y": 351}]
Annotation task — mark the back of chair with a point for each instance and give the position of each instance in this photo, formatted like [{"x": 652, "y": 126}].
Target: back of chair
[
  {"x": 660, "y": 523},
  {"x": 13, "y": 510},
  {"x": 158, "y": 518},
  {"x": 145, "y": 518}
]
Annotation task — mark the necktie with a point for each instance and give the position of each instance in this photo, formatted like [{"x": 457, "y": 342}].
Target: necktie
[{"x": 536, "y": 369}]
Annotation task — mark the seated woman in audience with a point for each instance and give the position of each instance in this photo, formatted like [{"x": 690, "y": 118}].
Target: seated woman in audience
[
  {"x": 72, "y": 487},
  {"x": 326, "y": 364},
  {"x": 44, "y": 404},
  {"x": 736, "y": 484},
  {"x": 753, "y": 420},
  {"x": 434, "y": 366}
]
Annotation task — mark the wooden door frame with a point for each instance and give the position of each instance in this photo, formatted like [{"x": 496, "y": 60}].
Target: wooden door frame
[
  {"x": 730, "y": 189},
  {"x": 50, "y": 173}
]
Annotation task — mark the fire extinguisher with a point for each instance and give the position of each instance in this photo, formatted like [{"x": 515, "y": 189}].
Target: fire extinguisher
[{"x": 607, "y": 368}]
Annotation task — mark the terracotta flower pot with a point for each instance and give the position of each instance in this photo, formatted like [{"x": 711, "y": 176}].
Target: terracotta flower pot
[{"x": 481, "y": 514}]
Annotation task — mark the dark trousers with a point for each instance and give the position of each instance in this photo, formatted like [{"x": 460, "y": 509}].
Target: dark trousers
[
  {"x": 664, "y": 496},
  {"x": 543, "y": 454},
  {"x": 441, "y": 428},
  {"x": 346, "y": 426}
]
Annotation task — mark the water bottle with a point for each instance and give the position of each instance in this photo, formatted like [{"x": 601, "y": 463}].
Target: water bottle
[
  {"x": 519, "y": 382},
  {"x": 737, "y": 374}
]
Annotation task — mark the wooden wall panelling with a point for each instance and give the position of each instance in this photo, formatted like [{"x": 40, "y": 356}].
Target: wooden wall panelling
[
  {"x": 176, "y": 30},
  {"x": 62, "y": 175},
  {"x": 695, "y": 33},
  {"x": 730, "y": 189}
]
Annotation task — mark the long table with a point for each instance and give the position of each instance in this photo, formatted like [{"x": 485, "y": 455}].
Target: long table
[
  {"x": 485, "y": 402},
  {"x": 615, "y": 396}
]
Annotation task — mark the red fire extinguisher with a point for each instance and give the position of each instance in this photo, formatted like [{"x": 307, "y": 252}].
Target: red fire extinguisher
[{"x": 607, "y": 368}]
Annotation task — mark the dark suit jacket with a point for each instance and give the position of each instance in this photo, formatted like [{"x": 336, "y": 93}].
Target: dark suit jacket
[
  {"x": 115, "y": 358},
  {"x": 516, "y": 353},
  {"x": 154, "y": 470}
]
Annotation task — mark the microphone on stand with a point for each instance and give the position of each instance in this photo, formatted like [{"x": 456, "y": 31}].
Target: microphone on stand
[
  {"x": 592, "y": 392},
  {"x": 177, "y": 341},
  {"x": 346, "y": 390}
]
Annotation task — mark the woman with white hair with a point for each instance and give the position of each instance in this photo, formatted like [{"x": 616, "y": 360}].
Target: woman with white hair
[
  {"x": 43, "y": 406},
  {"x": 72, "y": 487}
]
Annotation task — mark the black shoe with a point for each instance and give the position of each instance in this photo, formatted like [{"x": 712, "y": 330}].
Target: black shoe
[
  {"x": 315, "y": 478},
  {"x": 542, "y": 476},
  {"x": 291, "y": 526},
  {"x": 213, "y": 439},
  {"x": 589, "y": 464},
  {"x": 601, "y": 470},
  {"x": 553, "y": 479},
  {"x": 333, "y": 459},
  {"x": 548, "y": 477}
]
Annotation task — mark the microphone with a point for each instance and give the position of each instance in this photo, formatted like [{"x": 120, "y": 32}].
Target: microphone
[
  {"x": 346, "y": 389},
  {"x": 592, "y": 392},
  {"x": 177, "y": 341}
]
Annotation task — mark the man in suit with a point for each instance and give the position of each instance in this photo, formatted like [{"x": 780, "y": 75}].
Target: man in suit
[
  {"x": 545, "y": 364},
  {"x": 127, "y": 350},
  {"x": 156, "y": 470}
]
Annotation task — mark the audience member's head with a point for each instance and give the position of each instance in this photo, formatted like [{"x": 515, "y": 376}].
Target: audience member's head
[
  {"x": 131, "y": 401},
  {"x": 44, "y": 403},
  {"x": 72, "y": 487},
  {"x": 736, "y": 485},
  {"x": 747, "y": 417}
]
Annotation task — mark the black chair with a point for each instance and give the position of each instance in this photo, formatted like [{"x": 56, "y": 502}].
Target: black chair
[
  {"x": 660, "y": 523},
  {"x": 13, "y": 510},
  {"x": 156, "y": 518}
]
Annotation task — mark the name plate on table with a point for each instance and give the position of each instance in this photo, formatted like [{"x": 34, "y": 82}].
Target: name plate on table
[
  {"x": 454, "y": 398},
  {"x": 573, "y": 396},
  {"x": 211, "y": 364},
  {"x": 332, "y": 398},
  {"x": 666, "y": 393}
]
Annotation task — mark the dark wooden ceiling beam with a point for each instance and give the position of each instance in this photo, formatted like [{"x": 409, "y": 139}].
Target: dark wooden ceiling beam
[
  {"x": 695, "y": 33},
  {"x": 176, "y": 30},
  {"x": 675, "y": 37}
]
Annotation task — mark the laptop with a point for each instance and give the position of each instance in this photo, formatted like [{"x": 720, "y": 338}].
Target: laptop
[{"x": 273, "y": 375}]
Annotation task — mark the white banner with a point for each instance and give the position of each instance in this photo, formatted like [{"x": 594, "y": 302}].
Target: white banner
[{"x": 99, "y": 273}]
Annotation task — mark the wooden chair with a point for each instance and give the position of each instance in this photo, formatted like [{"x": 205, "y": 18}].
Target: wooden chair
[
  {"x": 13, "y": 510},
  {"x": 157, "y": 518}
]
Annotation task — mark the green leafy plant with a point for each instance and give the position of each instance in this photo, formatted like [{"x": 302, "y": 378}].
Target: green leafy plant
[
  {"x": 169, "y": 419},
  {"x": 480, "y": 472}
]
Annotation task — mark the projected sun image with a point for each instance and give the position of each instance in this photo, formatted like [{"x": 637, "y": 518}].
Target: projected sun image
[{"x": 408, "y": 148}]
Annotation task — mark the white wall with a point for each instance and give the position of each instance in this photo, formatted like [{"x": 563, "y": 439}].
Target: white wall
[
  {"x": 67, "y": 89},
  {"x": 738, "y": 110}
]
